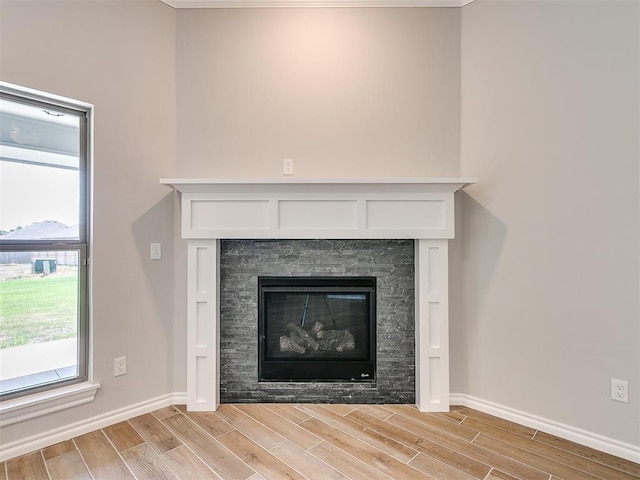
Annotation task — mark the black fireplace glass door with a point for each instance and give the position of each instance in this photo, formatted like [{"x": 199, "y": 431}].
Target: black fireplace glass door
[{"x": 317, "y": 328}]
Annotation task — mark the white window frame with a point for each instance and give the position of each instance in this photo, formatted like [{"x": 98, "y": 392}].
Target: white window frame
[{"x": 65, "y": 394}]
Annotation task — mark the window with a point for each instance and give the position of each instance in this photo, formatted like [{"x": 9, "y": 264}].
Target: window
[{"x": 44, "y": 241}]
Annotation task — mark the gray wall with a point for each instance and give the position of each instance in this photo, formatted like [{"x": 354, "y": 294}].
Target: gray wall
[
  {"x": 549, "y": 245},
  {"x": 120, "y": 56},
  {"x": 344, "y": 92}
]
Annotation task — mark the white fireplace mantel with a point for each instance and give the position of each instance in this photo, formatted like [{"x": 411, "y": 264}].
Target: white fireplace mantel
[{"x": 418, "y": 209}]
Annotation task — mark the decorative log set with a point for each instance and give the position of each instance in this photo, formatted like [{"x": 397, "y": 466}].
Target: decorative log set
[{"x": 317, "y": 338}]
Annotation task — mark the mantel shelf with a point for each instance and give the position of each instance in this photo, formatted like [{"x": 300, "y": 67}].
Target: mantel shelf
[
  {"x": 217, "y": 208},
  {"x": 289, "y": 184}
]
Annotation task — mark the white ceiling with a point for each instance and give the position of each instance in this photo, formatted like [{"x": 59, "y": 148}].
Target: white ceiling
[{"x": 313, "y": 3}]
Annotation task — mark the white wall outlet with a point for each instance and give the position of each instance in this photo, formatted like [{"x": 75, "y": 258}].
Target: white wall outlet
[
  {"x": 156, "y": 251},
  {"x": 287, "y": 167},
  {"x": 619, "y": 390},
  {"x": 119, "y": 366}
]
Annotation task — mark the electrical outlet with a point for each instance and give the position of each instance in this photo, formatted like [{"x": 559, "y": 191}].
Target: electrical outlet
[
  {"x": 119, "y": 366},
  {"x": 287, "y": 167},
  {"x": 156, "y": 251},
  {"x": 619, "y": 390}
]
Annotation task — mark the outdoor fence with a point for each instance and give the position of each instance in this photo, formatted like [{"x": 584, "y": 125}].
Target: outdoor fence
[{"x": 61, "y": 257}]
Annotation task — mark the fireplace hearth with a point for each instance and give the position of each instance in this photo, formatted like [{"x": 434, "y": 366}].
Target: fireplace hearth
[{"x": 317, "y": 329}]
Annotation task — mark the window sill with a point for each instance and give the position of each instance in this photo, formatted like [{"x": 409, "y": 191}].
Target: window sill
[{"x": 42, "y": 403}]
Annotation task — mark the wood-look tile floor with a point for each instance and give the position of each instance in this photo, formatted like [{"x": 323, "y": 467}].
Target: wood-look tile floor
[{"x": 277, "y": 441}]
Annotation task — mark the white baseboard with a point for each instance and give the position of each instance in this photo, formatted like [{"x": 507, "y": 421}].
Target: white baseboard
[
  {"x": 45, "y": 439},
  {"x": 589, "y": 439}
]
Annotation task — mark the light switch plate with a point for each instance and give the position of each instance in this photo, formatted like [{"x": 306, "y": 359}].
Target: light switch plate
[{"x": 156, "y": 251}]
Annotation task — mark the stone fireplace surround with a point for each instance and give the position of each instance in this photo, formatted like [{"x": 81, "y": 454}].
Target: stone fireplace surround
[
  {"x": 416, "y": 209},
  {"x": 390, "y": 261}
]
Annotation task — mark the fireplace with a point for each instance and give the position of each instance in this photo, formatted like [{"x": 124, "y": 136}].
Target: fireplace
[
  {"x": 316, "y": 329},
  {"x": 218, "y": 210}
]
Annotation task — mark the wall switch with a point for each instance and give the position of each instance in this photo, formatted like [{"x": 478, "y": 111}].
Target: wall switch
[
  {"x": 119, "y": 366},
  {"x": 156, "y": 251},
  {"x": 619, "y": 390},
  {"x": 287, "y": 168}
]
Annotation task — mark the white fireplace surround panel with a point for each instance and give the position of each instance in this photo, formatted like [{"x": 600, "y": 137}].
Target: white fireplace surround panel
[{"x": 418, "y": 209}]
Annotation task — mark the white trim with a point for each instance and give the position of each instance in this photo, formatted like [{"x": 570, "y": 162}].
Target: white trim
[
  {"x": 42, "y": 403},
  {"x": 317, "y": 208},
  {"x": 45, "y": 439},
  {"x": 432, "y": 325},
  {"x": 198, "y": 184},
  {"x": 313, "y": 3},
  {"x": 203, "y": 325},
  {"x": 583, "y": 437}
]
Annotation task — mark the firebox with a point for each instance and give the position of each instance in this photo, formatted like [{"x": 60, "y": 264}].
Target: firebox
[{"x": 317, "y": 329}]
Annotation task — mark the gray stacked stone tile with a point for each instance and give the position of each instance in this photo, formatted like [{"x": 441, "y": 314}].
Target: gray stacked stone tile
[{"x": 243, "y": 261}]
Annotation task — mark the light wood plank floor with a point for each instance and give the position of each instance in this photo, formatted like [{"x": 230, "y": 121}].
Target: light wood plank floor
[{"x": 277, "y": 441}]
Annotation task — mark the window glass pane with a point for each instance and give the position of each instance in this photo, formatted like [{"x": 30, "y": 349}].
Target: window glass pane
[
  {"x": 38, "y": 318},
  {"x": 44, "y": 218},
  {"x": 39, "y": 173}
]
